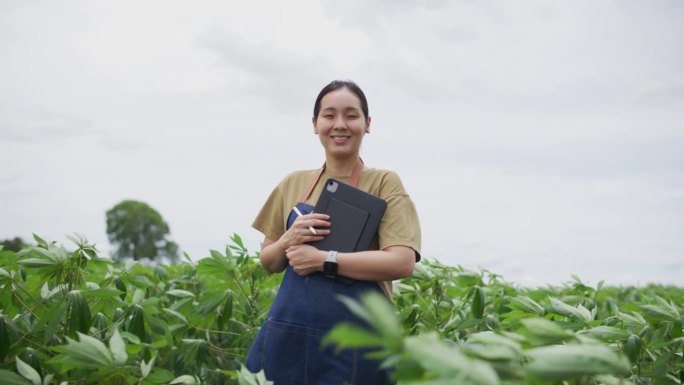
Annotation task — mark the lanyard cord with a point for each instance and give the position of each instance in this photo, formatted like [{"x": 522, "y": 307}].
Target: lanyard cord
[{"x": 353, "y": 181}]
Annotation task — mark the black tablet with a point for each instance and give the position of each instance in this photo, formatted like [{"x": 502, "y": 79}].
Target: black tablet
[{"x": 355, "y": 216}]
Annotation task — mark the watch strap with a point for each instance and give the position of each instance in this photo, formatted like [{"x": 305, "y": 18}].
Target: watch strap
[{"x": 332, "y": 256}]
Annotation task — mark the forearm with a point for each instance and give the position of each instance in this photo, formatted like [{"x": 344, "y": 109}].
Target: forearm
[
  {"x": 377, "y": 265},
  {"x": 272, "y": 256}
]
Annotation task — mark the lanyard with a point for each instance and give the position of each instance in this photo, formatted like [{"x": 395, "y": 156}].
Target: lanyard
[{"x": 353, "y": 181}]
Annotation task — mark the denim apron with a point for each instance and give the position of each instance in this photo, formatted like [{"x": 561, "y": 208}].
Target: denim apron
[{"x": 288, "y": 346}]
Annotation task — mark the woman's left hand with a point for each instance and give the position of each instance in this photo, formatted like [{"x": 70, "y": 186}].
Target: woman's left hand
[{"x": 305, "y": 259}]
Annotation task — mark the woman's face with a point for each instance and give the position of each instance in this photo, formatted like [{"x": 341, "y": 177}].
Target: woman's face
[{"x": 340, "y": 124}]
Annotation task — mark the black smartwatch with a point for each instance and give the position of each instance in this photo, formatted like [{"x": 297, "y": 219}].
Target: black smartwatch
[{"x": 330, "y": 265}]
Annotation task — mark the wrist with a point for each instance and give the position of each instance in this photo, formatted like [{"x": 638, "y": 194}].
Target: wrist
[
  {"x": 330, "y": 264},
  {"x": 322, "y": 255},
  {"x": 282, "y": 245}
]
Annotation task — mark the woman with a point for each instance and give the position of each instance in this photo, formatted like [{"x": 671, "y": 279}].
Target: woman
[{"x": 288, "y": 345}]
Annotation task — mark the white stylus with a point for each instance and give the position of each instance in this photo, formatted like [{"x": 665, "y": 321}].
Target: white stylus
[{"x": 299, "y": 214}]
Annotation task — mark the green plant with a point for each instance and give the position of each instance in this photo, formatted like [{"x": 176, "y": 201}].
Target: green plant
[
  {"x": 456, "y": 326},
  {"x": 72, "y": 316}
]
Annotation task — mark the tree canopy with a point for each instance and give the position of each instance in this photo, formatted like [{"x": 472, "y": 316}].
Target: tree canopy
[
  {"x": 15, "y": 244},
  {"x": 138, "y": 231}
]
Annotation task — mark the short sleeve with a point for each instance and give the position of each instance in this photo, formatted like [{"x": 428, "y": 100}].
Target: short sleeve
[
  {"x": 269, "y": 221},
  {"x": 400, "y": 225}
]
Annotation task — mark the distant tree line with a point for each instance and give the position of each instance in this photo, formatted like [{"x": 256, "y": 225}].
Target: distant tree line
[
  {"x": 15, "y": 244},
  {"x": 136, "y": 230}
]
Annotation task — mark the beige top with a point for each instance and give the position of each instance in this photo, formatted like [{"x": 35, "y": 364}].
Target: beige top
[{"x": 399, "y": 226}]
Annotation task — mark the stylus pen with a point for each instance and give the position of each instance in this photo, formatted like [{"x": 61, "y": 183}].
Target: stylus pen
[{"x": 299, "y": 214}]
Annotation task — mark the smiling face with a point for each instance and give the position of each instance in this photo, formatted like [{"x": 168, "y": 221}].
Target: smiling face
[{"x": 341, "y": 123}]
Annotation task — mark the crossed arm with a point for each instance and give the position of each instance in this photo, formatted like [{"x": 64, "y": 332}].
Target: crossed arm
[{"x": 393, "y": 262}]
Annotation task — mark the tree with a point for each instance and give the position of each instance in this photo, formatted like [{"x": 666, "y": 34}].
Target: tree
[
  {"x": 138, "y": 231},
  {"x": 15, "y": 244}
]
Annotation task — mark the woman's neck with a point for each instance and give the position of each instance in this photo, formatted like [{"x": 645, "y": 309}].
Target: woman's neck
[{"x": 340, "y": 167}]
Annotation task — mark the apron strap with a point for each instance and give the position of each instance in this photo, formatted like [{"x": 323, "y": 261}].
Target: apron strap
[{"x": 353, "y": 181}]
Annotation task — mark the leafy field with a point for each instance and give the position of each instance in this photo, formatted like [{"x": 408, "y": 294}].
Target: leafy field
[{"x": 73, "y": 317}]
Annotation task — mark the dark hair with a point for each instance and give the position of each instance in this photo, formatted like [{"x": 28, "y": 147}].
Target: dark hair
[{"x": 336, "y": 85}]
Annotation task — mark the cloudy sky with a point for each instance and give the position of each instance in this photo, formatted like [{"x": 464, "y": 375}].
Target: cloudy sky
[{"x": 538, "y": 139}]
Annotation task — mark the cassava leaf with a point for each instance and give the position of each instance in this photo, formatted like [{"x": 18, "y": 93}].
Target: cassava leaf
[
  {"x": 118, "y": 348},
  {"x": 559, "y": 362},
  {"x": 28, "y": 372},
  {"x": 11, "y": 378}
]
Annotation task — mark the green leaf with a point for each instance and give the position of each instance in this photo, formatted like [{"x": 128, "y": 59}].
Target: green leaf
[
  {"x": 52, "y": 256},
  {"x": 238, "y": 241},
  {"x": 678, "y": 330},
  {"x": 180, "y": 293},
  {"x": 345, "y": 335},
  {"x": 669, "y": 306},
  {"x": 215, "y": 254},
  {"x": 607, "y": 333},
  {"x": 380, "y": 314},
  {"x": 612, "y": 380},
  {"x": 104, "y": 292},
  {"x": 87, "y": 352},
  {"x": 526, "y": 305},
  {"x": 184, "y": 380},
  {"x": 635, "y": 319},
  {"x": 140, "y": 281},
  {"x": 176, "y": 314},
  {"x": 40, "y": 241},
  {"x": 121, "y": 285},
  {"x": 632, "y": 348},
  {"x": 45, "y": 291},
  {"x": 560, "y": 362},
  {"x": 491, "y": 346},
  {"x": 4, "y": 338},
  {"x": 27, "y": 371},
  {"x": 146, "y": 367},
  {"x": 479, "y": 300},
  {"x": 210, "y": 301},
  {"x": 53, "y": 317},
  {"x": 216, "y": 265},
  {"x": 138, "y": 296},
  {"x": 132, "y": 338},
  {"x": 447, "y": 362},
  {"x": 79, "y": 313},
  {"x": 136, "y": 322},
  {"x": 245, "y": 377},
  {"x": 160, "y": 375},
  {"x": 356, "y": 308},
  {"x": 579, "y": 313},
  {"x": 467, "y": 278},
  {"x": 118, "y": 348},
  {"x": 47, "y": 380},
  {"x": 665, "y": 310},
  {"x": 76, "y": 239},
  {"x": 543, "y": 331},
  {"x": 384, "y": 316},
  {"x": 227, "y": 312},
  {"x": 11, "y": 378}
]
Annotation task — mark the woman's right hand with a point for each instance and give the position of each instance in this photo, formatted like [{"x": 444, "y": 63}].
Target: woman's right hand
[
  {"x": 300, "y": 231},
  {"x": 272, "y": 256}
]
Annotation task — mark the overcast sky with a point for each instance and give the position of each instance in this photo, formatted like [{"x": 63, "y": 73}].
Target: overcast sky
[{"x": 537, "y": 139}]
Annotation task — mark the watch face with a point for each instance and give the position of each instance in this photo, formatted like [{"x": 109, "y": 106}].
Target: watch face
[{"x": 330, "y": 269}]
